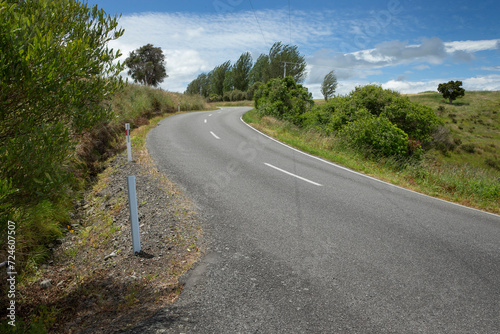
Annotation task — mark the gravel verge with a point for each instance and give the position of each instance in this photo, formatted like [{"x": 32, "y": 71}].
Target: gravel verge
[{"x": 93, "y": 282}]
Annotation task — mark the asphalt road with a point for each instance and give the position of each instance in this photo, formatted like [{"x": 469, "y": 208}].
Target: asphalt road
[{"x": 300, "y": 245}]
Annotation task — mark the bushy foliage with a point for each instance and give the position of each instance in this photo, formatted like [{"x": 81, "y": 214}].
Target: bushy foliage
[
  {"x": 417, "y": 120},
  {"x": 252, "y": 89},
  {"x": 238, "y": 95},
  {"x": 283, "y": 99},
  {"x": 372, "y": 106},
  {"x": 55, "y": 72},
  {"x": 377, "y": 135},
  {"x": 373, "y": 97},
  {"x": 333, "y": 115},
  {"x": 215, "y": 98},
  {"x": 226, "y": 96},
  {"x": 234, "y": 95}
]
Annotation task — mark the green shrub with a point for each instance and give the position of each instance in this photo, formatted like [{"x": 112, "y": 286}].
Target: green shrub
[
  {"x": 332, "y": 115},
  {"x": 442, "y": 140},
  {"x": 469, "y": 148},
  {"x": 238, "y": 95},
  {"x": 283, "y": 99},
  {"x": 344, "y": 116},
  {"x": 376, "y": 135},
  {"x": 417, "y": 120},
  {"x": 215, "y": 98},
  {"x": 373, "y": 97},
  {"x": 252, "y": 89}
]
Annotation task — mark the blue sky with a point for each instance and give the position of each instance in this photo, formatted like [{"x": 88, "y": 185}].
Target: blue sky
[{"x": 407, "y": 45}]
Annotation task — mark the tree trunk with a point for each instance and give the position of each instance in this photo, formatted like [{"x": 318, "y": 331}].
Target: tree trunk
[{"x": 451, "y": 101}]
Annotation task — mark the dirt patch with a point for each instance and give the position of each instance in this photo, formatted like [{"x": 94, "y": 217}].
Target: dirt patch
[{"x": 94, "y": 283}]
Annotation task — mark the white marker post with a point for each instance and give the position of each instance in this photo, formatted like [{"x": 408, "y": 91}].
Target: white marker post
[
  {"x": 178, "y": 107},
  {"x": 134, "y": 216},
  {"x": 129, "y": 147}
]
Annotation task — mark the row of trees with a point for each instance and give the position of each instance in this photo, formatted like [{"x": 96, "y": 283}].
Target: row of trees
[{"x": 239, "y": 80}]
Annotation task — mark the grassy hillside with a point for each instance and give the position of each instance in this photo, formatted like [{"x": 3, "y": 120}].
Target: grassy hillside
[
  {"x": 463, "y": 167},
  {"x": 474, "y": 123}
]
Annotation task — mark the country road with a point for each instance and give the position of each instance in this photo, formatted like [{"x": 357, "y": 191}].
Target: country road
[{"x": 300, "y": 245}]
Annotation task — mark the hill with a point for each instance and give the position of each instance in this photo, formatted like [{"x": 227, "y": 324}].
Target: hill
[{"x": 474, "y": 123}]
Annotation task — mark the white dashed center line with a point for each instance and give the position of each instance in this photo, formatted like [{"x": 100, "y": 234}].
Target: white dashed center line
[
  {"x": 294, "y": 175},
  {"x": 213, "y": 134}
]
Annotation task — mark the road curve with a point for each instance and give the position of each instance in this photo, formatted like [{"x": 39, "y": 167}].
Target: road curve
[{"x": 299, "y": 245}]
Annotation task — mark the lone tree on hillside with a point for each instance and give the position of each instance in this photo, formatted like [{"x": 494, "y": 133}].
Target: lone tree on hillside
[
  {"x": 451, "y": 90},
  {"x": 329, "y": 85},
  {"x": 147, "y": 65}
]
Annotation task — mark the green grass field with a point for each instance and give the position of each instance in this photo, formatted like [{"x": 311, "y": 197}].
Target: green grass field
[{"x": 474, "y": 123}]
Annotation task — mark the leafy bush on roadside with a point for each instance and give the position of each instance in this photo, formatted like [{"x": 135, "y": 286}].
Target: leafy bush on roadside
[
  {"x": 417, "y": 120},
  {"x": 376, "y": 135},
  {"x": 342, "y": 114},
  {"x": 283, "y": 99},
  {"x": 374, "y": 98}
]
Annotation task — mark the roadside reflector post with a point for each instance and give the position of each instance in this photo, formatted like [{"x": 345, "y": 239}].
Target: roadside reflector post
[
  {"x": 178, "y": 106},
  {"x": 134, "y": 216},
  {"x": 129, "y": 145}
]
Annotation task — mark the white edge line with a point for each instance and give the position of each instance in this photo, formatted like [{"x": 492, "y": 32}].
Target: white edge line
[
  {"x": 294, "y": 175},
  {"x": 213, "y": 134},
  {"x": 361, "y": 174}
]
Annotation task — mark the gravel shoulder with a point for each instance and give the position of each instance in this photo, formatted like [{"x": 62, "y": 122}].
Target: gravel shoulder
[{"x": 93, "y": 282}]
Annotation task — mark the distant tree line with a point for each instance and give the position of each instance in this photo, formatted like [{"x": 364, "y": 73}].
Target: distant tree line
[{"x": 239, "y": 81}]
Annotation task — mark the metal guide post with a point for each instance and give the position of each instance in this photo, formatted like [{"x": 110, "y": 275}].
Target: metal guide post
[{"x": 134, "y": 215}]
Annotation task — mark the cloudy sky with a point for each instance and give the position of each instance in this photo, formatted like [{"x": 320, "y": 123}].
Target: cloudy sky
[{"x": 407, "y": 45}]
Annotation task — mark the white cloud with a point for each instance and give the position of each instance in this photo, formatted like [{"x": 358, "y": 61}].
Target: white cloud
[
  {"x": 385, "y": 54},
  {"x": 490, "y": 68},
  {"x": 411, "y": 87},
  {"x": 431, "y": 51},
  {"x": 422, "y": 67},
  {"x": 471, "y": 46},
  {"x": 485, "y": 82}
]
